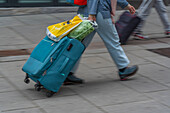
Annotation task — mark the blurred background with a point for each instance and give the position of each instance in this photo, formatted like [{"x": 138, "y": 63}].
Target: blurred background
[{"x": 32, "y": 3}]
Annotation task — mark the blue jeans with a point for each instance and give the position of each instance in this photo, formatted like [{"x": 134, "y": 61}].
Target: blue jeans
[{"x": 108, "y": 33}]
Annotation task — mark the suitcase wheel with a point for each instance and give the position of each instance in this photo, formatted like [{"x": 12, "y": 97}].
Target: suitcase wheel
[
  {"x": 37, "y": 87},
  {"x": 50, "y": 94},
  {"x": 26, "y": 80}
]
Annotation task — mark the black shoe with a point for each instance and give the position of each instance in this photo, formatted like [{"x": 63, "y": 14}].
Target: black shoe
[
  {"x": 72, "y": 79},
  {"x": 128, "y": 72}
]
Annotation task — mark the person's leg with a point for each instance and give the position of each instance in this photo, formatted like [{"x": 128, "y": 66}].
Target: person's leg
[
  {"x": 109, "y": 35},
  {"x": 162, "y": 11},
  {"x": 72, "y": 79},
  {"x": 143, "y": 12},
  {"x": 86, "y": 42}
]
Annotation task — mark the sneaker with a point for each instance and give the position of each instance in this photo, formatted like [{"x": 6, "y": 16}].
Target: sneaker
[
  {"x": 167, "y": 33},
  {"x": 72, "y": 79},
  {"x": 128, "y": 72},
  {"x": 139, "y": 36}
]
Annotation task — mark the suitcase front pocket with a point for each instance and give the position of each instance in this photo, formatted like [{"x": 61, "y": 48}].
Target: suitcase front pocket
[
  {"x": 63, "y": 66},
  {"x": 43, "y": 49}
]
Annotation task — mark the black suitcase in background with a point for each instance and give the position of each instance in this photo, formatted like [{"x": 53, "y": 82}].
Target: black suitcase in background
[{"x": 126, "y": 25}]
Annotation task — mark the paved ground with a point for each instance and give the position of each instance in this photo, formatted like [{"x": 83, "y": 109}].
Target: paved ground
[{"x": 147, "y": 92}]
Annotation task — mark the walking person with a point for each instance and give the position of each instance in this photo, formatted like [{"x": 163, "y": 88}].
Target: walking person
[
  {"x": 102, "y": 11},
  {"x": 144, "y": 11}
]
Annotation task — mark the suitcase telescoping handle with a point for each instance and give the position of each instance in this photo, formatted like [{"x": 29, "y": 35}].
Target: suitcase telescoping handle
[{"x": 63, "y": 66}]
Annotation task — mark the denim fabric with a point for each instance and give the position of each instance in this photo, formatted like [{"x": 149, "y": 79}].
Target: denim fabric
[
  {"x": 103, "y": 6},
  {"x": 108, "y": 33}
]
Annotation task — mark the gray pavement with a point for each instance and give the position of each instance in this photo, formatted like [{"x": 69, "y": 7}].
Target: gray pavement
[{"x": 147, "y": 92}]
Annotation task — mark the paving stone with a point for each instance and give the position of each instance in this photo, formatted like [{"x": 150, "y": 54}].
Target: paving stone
[
  {"x": 61, "y": 17},
  {"x": 2, "y": 47},
  {"x": 82, "y": 68},
  {"x": 137, "y": 107},
  {"x": 88, "y": 55},
  {"x": 33, "y": 33},
  {"x": 141, "y": 42},
  {"x": 142, "y": 84},
  {"x": 9, "y": 21},
  {"x": 96, "y": 44},
  {"x": 64, "y": 14},
  {"x": 15, "y": 47},
  {"x": 9, "y": 37},
  {"x": 148, "y": 27},
  {"x": 27, "y": 110},
  {"x": 36, "y": 19},
  {"x": 164, "y": 40},
  {"x": 143, "y": 53},
  {"x": 14, "y": 100},
  {"x": 165, "y": 61},
  {"x": 155, "y": 45},
  {"x": 26, "y": 46},
  {"x": 131, "y": 47},
  {"x": 90, "y": 75},
  {"x": 161, "y": 97},
  {"x": 134, "y": 60},
  {"x": 155, "y": 21},
  {"x": 96, "y": 51},
  {"x": 12, "y": 70},
  {"x": 108, "y": 72},
  {"x": 32, "y": 94},
  {"x": 14, "y": 58},
  {"x": 67, "y": 104},
  {"x": 106, "y": 56},
  {"x": 113, "y": 71},
  {"x": 5, "y": 86},
  {"x": 107, "y": 92},
  {"x": 156, "y": 73},
  {"x": 96, "y": 62}
]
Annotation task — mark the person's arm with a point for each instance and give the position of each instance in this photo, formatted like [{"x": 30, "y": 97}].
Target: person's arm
[
  {"x": 92, "y": 9},
  {"x": 125, "y": 5},
  {"x": 122, "y": 3}
]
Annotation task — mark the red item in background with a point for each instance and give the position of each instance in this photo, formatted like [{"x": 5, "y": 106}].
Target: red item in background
[{"x": 80, "y": 2}]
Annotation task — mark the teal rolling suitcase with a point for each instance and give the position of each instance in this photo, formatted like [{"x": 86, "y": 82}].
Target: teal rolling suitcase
[{"x": 50, "y": 63}]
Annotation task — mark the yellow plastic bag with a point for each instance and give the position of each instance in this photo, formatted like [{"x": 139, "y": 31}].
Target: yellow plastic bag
[{"x": 58, "y": 31}]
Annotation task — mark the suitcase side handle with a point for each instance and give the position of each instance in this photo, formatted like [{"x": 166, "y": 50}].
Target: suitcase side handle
[
  {"x": 69, "y": 47},
  {"x": 63, "y": 66}
]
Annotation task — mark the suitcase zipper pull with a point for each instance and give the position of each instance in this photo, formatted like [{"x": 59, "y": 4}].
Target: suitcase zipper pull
[
  {"x": 52, "y": 44},
  {"x": 44, "y": 72},
  {"x": 51, "y": 60}
]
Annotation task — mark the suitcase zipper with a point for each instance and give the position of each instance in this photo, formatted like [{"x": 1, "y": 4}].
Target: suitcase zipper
[
  {"x": 56, "y": 59},
  {"x": 52, "y": 43},
  {"x": 45, "y": 72},
  {"x": 51, "y": 60}
]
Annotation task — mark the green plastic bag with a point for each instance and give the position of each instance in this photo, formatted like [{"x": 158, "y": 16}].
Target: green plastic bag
[{"x": 82, "y": 30}]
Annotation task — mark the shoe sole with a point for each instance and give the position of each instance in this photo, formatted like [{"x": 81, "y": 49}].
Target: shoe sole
[
  {"x": 137, "y": 37},
  {"x": 129, "y": 75},
  {"x": 72, "y": 83}
]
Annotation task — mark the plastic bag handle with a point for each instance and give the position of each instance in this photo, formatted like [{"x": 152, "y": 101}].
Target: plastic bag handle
[{"x": 94, "y": 24}]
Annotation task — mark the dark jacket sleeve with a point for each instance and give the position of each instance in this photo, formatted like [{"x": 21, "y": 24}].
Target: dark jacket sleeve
[{"x": 122, "y": 3}]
